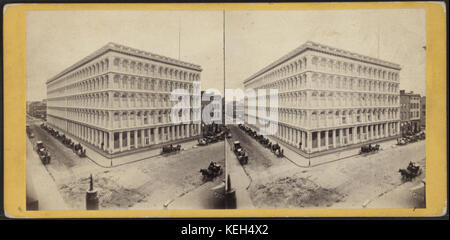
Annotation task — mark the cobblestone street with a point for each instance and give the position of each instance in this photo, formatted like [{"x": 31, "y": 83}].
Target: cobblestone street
[
  {"x": 360, "y": 181},
  {"x": 146, "y": 184}
]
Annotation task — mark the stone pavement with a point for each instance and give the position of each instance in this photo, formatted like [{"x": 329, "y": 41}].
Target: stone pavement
[
  {"x": 40, "y": 184},
  {"x": 239, "y": 180}
]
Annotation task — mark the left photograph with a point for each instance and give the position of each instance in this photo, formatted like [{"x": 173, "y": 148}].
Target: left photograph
[{"x": 117, "y": 103}]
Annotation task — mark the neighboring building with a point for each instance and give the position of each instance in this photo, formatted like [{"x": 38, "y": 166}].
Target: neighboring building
[
  {"x": 331, "y": 98},
  {"x": 37, "y": 109},
  {"x": 118, "y": 99},
  {"x": 216, "y": 106},
  {"x": 235, "y": 114},
  {"x": 410, "y": 111},
  {"x": 217, "y": 111},
  {"x": 423, "y": 107}
]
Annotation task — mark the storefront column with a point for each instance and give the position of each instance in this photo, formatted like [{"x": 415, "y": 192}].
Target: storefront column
[
  {"x": 120, "y": 142},
  {"x": 128, "y": 146},
  {"x": 334, "y": 137}
]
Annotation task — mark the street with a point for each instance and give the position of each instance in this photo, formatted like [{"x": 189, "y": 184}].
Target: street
[
  {"x": 147, "y": 184},
  {"x": 370, "y": 181}
]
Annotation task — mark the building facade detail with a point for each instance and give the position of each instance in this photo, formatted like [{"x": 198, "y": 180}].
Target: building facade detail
[
  {"x": 118, "y": 99},
  {"x": 330, "y": 98},
  {"x": 410, "y": 105}
]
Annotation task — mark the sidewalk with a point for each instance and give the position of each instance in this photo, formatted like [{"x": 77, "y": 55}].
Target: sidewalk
[
  {"x": 133, "y": 157},
  {"x": 40, "y": 184},
  {"x": 327, "y": 158},
  {"x": 239, "y": 180}
]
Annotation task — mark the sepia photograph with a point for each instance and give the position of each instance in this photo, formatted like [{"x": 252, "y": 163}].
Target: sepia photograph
[
  {"x": 348, "y": 124},
  {"x": 230, "y": 110},
  {"x": 99, "y": 102}
]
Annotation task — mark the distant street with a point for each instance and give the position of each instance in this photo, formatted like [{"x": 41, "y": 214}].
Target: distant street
[
  {"x": 146, "y": 184},
  {"x": 355, "y": 182}
]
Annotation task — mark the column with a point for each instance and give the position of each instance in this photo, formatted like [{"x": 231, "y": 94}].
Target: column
[
  {"x": 354, "y": 138},
  {"x": 309, "y": 141},
  {"x": 142, "y": 137},
  {"x": 375, "y": 129},
  {"x": 94, "y": 137},
  {"x": 182, "y": 131},
  {"x": 120, "y": 141},
  {"x": 135, "y": 138},
  {"x": 326, "y": 139},
  {"x": 367, "y": 132},
  {"x": 319, "y": 140},
  {"x": 128, "y": 147},
  {"x": 156, "y": 134},
  {"x": 102, "y": 140},
  {"x": 334, "y": 137},
  {"x": 110, "y": 99},
  {"x": 111, "y": 142},
  {"x": 372, "y": 132},
  {"x": 347, "y": 135},
  {"x": 303, "y": 141},
  {"x": 173, "y": 132}
]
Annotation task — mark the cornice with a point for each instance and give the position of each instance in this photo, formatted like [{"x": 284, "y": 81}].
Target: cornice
[
  {"x": 129, "y": 51},
  {"x": 309, "y": 45}
]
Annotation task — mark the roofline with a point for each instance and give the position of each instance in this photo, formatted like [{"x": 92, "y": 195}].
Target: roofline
[
  {"x": 309, "y": 45},
  {"x": 126, "y": 50}
]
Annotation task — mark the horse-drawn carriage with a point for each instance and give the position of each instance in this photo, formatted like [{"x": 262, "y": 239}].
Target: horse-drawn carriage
[
  {"x": 202, "y": 142},
  {"x": 413, "y": 170},
  {"x": 67, "y": 141},
  {"x": 78, "y": 150},
  {"x": 412, "y": 138},
  {"x": 265, "y": 142},
  {"x": 369, "y": 148},
  {"x": 171, "y": 148},
  {"x": 279, "y": 153},
  {"x": 214, "y": 169},
  {"x": 240, "y": 153},
  {"x": 401, "y": 141},
  {"x": 259, "y": 137},
  {"x": 421, "y": 136},
  {"x": 275, "y": 147},
  {"x": 43, "y": 153}
]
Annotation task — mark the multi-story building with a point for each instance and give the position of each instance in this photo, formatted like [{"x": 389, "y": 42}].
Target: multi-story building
[
  {"x": 330, "y": 98},
  {"x": 410, "y": 111},
  {"x": 117, "y": 100},
  {"x": 423, "y": 107},
  {"x": 214, "y": 114},
  {"x": 37, "y": 109},
  {"x": 216, "y": 106}
]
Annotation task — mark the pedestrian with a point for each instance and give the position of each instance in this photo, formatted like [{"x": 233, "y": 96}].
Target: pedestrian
[{"x": 103, "y": 144}]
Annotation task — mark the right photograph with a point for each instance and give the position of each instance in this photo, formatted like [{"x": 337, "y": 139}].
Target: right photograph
[{"x": 325, "y": 108}]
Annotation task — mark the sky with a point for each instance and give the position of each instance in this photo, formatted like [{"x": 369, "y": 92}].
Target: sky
[
  {"x": 58, "y": 39},
  {"x": 254, "y": 39}
]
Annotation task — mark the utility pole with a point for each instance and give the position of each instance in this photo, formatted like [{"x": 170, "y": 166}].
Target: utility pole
[
  {"x": 179, "y": 38},
  {"x": 378, "y": 42}
]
